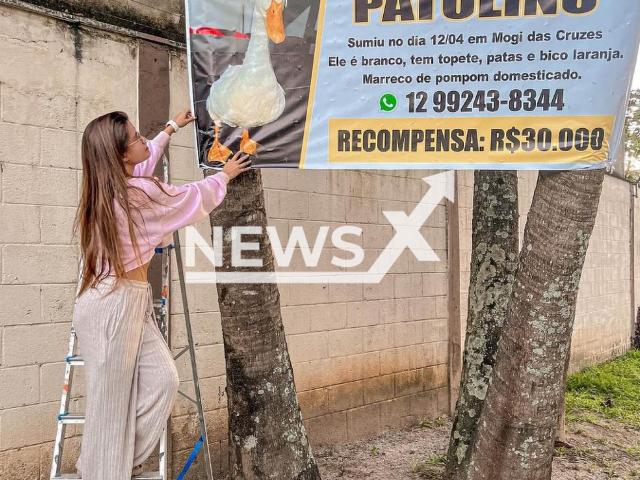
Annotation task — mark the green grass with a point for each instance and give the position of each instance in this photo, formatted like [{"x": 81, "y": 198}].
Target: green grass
[
  {"x": 437, "y": 460},
  {"x": 438, "y": 422},
  {"x": 634, "y": 450},
  {"x": 431, "y": 468},
  {"x": 610, "y": 390}
]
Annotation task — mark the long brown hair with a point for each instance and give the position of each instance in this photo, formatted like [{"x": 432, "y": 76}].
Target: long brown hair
[{"x": 104, "y": 179}]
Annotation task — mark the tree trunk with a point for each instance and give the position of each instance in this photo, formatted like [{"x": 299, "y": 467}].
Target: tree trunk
[
  {"x": 517, "y": 426},
  {"x": 561, "y": 432},
  {"x": 267, "y": 439},
  {"x": 494, "y": 258}
]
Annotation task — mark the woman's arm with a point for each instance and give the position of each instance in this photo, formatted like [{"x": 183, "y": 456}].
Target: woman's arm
[
  {"x": 192, "y": 202},
  {"x": 158, "y": 145},
  {"x": 187, "y": 204}
]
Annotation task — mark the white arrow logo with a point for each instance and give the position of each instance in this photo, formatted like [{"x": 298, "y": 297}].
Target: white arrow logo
[
  {"x": 408, "y": 227},
  {"x": 407, "y": 236}
]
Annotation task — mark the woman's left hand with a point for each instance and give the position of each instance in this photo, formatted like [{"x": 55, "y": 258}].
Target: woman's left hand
[{"x": 184, "y": 118}]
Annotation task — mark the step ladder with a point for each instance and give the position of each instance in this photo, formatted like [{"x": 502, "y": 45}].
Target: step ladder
[{"x": 73, "y": 360}]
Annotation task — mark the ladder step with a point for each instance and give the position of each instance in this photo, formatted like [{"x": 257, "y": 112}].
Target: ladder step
[
  {"x": 142, "y": 476},
  {"x": 69, "y": 418},
  {"x": 75, "y": 360},
  {"x": 148, "y": 476}
]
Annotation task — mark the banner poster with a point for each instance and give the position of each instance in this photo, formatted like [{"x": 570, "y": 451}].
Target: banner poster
[{"x": 412, "y": 84}]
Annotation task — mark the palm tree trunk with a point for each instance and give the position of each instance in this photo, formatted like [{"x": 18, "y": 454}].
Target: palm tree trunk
[
  {"x": 517, "y": 426},
  {"x": 267, "y": 439},
  {"x": 494, "y": 258},
  {"x": 561, "y": 432}
]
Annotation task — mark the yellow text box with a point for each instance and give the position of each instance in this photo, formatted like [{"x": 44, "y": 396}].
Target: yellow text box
[{"x": 461, "y": 140}]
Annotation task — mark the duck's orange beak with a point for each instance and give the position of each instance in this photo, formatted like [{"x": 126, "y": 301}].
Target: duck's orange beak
[{"x": 275, "y": 23}]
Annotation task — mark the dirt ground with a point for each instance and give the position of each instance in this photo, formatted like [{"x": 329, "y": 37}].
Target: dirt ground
[{"x": 601, "y": 450}]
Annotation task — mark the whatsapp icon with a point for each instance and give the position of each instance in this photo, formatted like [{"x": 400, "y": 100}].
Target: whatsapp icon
[{"x": 388, "y": 102}]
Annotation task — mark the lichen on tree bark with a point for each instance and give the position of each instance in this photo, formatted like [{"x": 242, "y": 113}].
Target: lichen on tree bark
[{"x": 494, "y": 253}]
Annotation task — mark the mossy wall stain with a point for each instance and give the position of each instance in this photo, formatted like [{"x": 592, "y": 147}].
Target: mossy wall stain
[{"x": 121, "y": 16}]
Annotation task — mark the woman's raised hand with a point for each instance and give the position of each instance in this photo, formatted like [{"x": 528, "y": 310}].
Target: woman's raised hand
[
  {"x": 184, "y": 118},
  {"x": 236, "y": 165}
]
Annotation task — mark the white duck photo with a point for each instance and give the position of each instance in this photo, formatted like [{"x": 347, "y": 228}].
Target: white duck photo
[
  {"x": 251, "y": 65},
  {"x": 249, "y": 95}
]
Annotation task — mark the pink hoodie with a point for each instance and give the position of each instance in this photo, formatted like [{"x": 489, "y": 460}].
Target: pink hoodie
[{"x": 159, "y": 218}]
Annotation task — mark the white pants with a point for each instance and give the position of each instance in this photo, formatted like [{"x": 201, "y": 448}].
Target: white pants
[{"x": 131, "y": 378}]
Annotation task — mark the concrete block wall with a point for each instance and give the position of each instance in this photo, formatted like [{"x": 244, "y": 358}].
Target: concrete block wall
[
  {"x": 465, "y": 213},
  {"x": 46, "y": 98},
  {"x": 603, "y": 329},
  {"x": 379, "y": 351}
]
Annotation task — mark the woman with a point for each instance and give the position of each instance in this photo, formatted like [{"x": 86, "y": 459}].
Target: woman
[{"x": 124, "y": 213}]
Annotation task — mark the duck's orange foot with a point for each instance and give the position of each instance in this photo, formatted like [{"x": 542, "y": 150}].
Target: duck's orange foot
[
  {"x": 248, "y": 146},
  {"x": 218, "y": 152}
]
